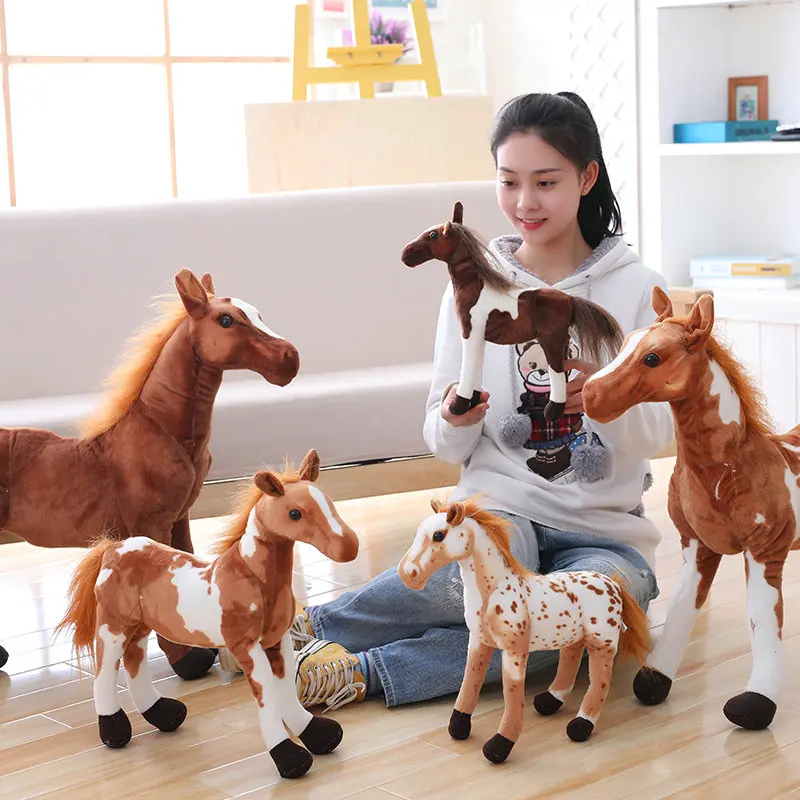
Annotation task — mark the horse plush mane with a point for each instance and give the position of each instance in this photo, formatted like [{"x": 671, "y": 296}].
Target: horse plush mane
[
  {"x": 486, "y": 263},
  {"x": 137, "y": 360},
  {"x": 243, "y": 506},
  {"x": 496, "y": 528},
  {"x": 735, "y": 489},
  {"x": 752, "y": 399}
]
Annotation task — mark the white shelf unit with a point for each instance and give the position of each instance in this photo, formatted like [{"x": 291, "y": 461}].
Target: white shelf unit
[{"x": 697, "y": 199}]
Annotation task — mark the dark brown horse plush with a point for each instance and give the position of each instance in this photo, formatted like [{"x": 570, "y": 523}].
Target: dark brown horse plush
[
  {"x": 140, "y": 462},
  {"x": 491, "y": 308}
]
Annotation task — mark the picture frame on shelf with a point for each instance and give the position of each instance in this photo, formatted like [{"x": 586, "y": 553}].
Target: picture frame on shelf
[{"x": 748, "y": 98}]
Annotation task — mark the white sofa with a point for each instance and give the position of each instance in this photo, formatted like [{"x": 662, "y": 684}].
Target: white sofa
[{"x": 324, "y": 269}]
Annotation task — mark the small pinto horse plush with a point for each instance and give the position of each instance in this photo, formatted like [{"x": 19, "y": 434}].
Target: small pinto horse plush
[
  {"x": 243, "y": 600},
  {"x": 507, "y": 607},
  {"x": 491, "y": 308},
  {"x": 735, "y": 489},
  {"x": 140, "y": 461}
]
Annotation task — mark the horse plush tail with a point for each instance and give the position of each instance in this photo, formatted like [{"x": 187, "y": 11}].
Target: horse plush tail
[
  {"x": 634, "y": 641},
  {"x": 598, "y": 332},
  {"x": 82, "y": 611}
]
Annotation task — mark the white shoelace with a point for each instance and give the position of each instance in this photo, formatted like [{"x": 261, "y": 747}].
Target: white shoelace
[
  {"x": 299, "y": 632},
  {"x": 325, "y": 679}
]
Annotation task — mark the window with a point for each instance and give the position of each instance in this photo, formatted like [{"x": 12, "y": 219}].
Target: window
[{"x": 127, "y": 100}]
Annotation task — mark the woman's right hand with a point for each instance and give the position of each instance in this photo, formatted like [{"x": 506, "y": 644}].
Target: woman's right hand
[{"x": 472, "y": 417}]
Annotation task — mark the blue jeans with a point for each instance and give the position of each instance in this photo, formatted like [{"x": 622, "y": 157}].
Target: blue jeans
[{"x": 417, "y": 640}]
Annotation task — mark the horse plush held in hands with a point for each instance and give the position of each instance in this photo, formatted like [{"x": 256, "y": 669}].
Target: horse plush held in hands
[
  {"x": 492, "y": 308},
  {"x": 243, "y": 600},
  {"x": 517, "y": 611},
  {"x": 735, "y": 489},
  {"x": 141, "y": 460}
]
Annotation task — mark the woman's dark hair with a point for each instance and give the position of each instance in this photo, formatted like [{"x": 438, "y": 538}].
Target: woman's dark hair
[{"x": 565, "y": 122}]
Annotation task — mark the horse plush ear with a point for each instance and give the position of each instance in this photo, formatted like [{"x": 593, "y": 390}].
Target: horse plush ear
[
  {"x": 700, "y": 322},
  {"x": 447, "y": 229},
  {"x": 207, "y": 283},
  {"x": 661, "y": 303},
  {"x": 192, "y": 293},
  {"x": 458, "y": 213},
  {"x": 455, "y": 514},
  {"x": 437, "y": 506},
  {"x": 309, "y": 469},
  {"x": 269, "y": 483}
]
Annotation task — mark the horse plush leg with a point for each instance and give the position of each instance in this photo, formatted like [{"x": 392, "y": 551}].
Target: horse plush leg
[
  {"x": 3, "y": 657},
  {"x": 472, "y": 351},
  {"x": 569, "y": 662},
  {"x": 654, "y": 681},
  {"x": 164, "y": 713},
  {"x": 113, "y": 723},
  {"x": 478, "y": 657},
  {"x": 188, "y": 663},
  {"x": 291, "y": 760},
  {"x": 601, "y": 665},
  {"x": 319, "y": 734},
  {"x": 499, "y": 746},
  {"x": 755, "y": 708}
]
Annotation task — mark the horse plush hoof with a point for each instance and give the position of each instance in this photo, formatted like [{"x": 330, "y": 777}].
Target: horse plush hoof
[
  {"x": 497, "y": 749},
  {"x": 750, "y": 710},
  {"x": 460, "y": 405},
  {"x": 322, "y": 735},
  {"x": 196, "y": 663},
  {"x": 546, "y": 704},
  {"x": 166, "y": 714},
  {"x": 580, "y": 729},
  {"x": 460, "y": 725},
  {"x": 3, "y": 657},
  {"x": 115, "y": 729},
  {"x": 552, "y": 411},
  {"x": 651, "y": 687},
  {"x": 291, "y": 760}
]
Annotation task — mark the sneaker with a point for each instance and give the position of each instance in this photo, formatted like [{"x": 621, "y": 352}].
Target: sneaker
[
  {"x": 301, "y": 631},
  {"x": 327, "y": 673},
  {"x": 227, "y": 661}
]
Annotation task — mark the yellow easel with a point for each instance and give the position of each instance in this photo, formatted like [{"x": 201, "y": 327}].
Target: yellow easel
[{"x": 362, "y": 62}]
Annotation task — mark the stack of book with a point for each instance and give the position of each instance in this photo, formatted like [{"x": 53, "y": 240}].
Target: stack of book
[{"x": 745, "y": 272}]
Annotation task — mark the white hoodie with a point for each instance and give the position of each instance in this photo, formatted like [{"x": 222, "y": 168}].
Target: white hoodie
[{"x": 614, "y": 278}]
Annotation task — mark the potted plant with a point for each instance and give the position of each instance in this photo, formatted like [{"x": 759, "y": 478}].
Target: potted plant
[{"x": 385, "y": 31}]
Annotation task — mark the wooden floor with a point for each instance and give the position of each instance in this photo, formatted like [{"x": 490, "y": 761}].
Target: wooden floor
[{"x": 684, "y": 748}]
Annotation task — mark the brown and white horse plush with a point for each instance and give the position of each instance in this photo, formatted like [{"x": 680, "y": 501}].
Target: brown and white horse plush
[
  {"x": 507, "y": 607},
  {"x": 735, "y": 489},
  {"x": 243, "y": 600},
  {"x": 491, "y": 308},
  {"x": 140, "y": 462}
]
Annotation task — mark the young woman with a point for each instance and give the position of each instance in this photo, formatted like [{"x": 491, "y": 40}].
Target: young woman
[{"x": 553, "y": 186}]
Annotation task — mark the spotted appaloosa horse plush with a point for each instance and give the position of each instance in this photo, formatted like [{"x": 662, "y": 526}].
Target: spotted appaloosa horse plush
[
  {"x": 735, "y": 489},
  {"x": 242, "y": 600},
  {"x": 512, "y": 609},
  {"x": 140, "y": 462},
  {"x": 491, "y": 308}
]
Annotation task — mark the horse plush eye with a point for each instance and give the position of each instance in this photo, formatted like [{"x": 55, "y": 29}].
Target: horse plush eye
[
  {"x": 433, "y": 235},
  {"x": 295, "y": 513},
  {"x": 652, "y": 360},
  {"x": 438, "y": 536},
  {"x": 226, "y": 320}
]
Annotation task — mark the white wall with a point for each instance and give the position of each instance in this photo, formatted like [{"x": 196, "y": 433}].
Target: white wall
[{"x": 498, "y": 47}]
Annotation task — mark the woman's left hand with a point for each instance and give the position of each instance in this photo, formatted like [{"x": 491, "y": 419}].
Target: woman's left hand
[{"x": 575, "y": 386}]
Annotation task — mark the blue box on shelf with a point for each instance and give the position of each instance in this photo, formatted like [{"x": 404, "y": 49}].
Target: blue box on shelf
[{"x": 751, "y": 130}]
